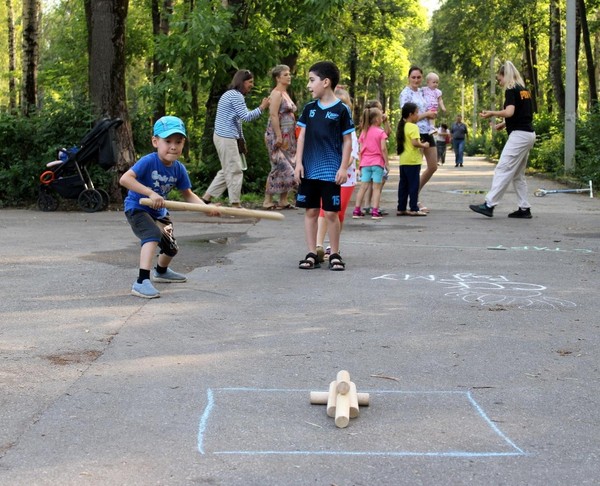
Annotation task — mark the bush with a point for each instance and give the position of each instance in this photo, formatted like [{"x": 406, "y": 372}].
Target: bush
[
  {"x": 477, "y": 146},
  {"x": 587, "y": 150}
]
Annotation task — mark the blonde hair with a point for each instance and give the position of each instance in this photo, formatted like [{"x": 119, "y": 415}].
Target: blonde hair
[
  {"x": 432, "y": 76},
  {"x": 374, "y": 104},
  {"x": 278, "y": 70},
  {"x": 511, "y": 75},
  {"x": 368, "y": 118},
  {"x": 344, "y": 96}
]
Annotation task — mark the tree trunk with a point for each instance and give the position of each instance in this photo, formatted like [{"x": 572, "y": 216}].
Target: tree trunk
[
  {"x": 106, "y": 71},
  {"x": 32, "y": 12},
  {"x": 160, "y": 26},
  {"x": 531, "y": 61},
  {"x": 556, "y": 56},
  {"x": 587, "y": 43},
  {"x": 12, "y": 63}
]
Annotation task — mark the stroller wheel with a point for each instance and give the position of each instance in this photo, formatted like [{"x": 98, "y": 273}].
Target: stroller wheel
[
  {"x": 46, "y": 202},
  {"x": 105, "y": 199},
  {"x": 90, "y": 200}
]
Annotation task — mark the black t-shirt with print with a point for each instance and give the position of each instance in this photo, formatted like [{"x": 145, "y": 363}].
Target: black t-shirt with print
[{"x": 522, "y": 119}]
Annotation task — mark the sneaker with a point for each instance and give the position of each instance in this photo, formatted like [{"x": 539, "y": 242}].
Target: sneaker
[
  {"x": 357, "y": 213},
  {"x": 168, "y": 277},
  {"x": 145, "y": 290},
  {"x": 375, "y": 214},
  {"x": 366, "y": 210},
  {"x": 383, "y": 212},
  {"x": 482, "y": 209},
  {"x": 521, "y": 213}
]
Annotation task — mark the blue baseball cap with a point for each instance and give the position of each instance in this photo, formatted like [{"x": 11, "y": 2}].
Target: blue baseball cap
[{"x": 169, "y": 125}]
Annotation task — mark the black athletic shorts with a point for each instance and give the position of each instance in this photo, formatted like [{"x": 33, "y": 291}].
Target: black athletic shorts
[
  {"x": 314, "y": 193},
  {"x": 426, "y": 137}
]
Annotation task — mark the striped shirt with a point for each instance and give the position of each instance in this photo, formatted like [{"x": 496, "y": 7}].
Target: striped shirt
[{"x": 231, "y": 112}]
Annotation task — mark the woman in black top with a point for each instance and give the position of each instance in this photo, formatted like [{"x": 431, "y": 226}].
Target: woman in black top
[{"x": 518, "y": 118}]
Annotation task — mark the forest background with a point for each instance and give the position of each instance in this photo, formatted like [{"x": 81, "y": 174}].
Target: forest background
[{"x": 64, "y": 64}]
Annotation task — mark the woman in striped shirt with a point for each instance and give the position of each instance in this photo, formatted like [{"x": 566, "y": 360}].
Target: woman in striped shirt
[{"x": 229, "y": 137}]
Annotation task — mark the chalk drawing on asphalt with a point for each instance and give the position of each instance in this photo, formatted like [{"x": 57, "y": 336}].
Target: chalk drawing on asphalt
[{"x": 490, "y": 290}]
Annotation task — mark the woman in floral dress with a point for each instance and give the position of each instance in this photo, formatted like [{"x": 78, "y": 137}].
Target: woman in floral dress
[{"x": 280, "y": 138}]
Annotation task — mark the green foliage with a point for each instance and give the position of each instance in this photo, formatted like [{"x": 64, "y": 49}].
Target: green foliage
[
  {"x": 63, "y": 51},
  {"x": 380, "y": 38},
  {"x": 547, "y": 154},
  {"x": 587, "y": 158},
  {"x": 477, "y": 146}
]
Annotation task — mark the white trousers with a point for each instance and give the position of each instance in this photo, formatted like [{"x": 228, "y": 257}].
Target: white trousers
[
  {"x": 511, "y": 168},
  {"x": 230, "y": 176}
]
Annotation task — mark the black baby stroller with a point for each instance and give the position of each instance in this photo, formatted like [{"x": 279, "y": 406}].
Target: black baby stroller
[{"x": 69, "y": 176}]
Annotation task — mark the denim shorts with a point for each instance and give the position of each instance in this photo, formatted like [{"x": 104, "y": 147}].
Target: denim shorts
[
  {"x": 145, "y": 227},
  {"x": 372, "y": 173}
]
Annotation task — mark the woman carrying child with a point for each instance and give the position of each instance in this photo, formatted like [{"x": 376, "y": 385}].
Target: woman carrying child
[
  {"x": 374, "y": 162},
  {"x": 409, "y": 143}
]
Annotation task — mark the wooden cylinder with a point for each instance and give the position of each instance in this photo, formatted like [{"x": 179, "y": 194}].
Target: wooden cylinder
[
  {"x": 343, "y": 382},
  {"x": 353, "y": 400},
  {"x": 320, "y": 398},
  {"x": 330, "y": 398},
  {"x": 342, "y": 410}
]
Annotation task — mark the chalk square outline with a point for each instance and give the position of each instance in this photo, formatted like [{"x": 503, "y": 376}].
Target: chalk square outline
[{"x": 203, "y": 424}]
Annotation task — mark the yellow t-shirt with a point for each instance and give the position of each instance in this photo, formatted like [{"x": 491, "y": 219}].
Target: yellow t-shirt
[{"x": 411, "y": 155}]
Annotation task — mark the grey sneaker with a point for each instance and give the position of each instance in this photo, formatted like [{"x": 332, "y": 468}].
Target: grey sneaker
[
  {"x": 521, "y": 213},
  {"x": 145, "y": 290},
  {"x": 482, "y": 209},
  {"x": 168, "y": 277}
]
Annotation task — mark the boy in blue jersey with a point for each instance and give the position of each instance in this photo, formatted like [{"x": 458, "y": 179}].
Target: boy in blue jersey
[
  {"x": 322, "y": 160},
  {"x": 153, "y": 176}
]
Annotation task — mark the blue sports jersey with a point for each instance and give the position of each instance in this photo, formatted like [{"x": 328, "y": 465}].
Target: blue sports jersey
[
  {"x": 151, "y": 172},
  {"x": 325, "y": 127}
]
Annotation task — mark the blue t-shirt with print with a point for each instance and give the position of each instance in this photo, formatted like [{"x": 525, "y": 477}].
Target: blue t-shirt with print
[
  {"x": 151, "y": 172},
  {"x": 325, "y": 127}
]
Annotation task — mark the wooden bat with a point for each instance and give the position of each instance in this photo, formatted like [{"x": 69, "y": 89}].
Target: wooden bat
[{"x": 209, "y": 208}]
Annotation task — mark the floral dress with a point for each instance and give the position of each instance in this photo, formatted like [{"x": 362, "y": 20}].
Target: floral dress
[{"x": 281, "y": 177}]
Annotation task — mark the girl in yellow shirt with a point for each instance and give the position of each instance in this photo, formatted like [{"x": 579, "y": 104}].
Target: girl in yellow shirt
[{"x": 409, "y": 145}]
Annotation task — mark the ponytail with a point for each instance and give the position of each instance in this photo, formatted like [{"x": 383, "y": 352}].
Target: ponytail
[{"x": 368, "y": 116}]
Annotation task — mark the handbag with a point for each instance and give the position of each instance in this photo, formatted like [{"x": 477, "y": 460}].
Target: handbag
[{"x": 242, "y": 148}]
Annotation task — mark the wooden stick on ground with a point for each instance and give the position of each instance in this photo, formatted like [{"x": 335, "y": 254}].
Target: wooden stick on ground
[{"x": 224, "y": 210}]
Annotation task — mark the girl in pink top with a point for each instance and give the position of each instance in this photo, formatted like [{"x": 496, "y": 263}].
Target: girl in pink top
[{"x": 373, "y": 160}]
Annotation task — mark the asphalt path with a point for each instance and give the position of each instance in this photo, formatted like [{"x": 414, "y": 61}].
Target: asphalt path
[{"x": 476, "y": 338}]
